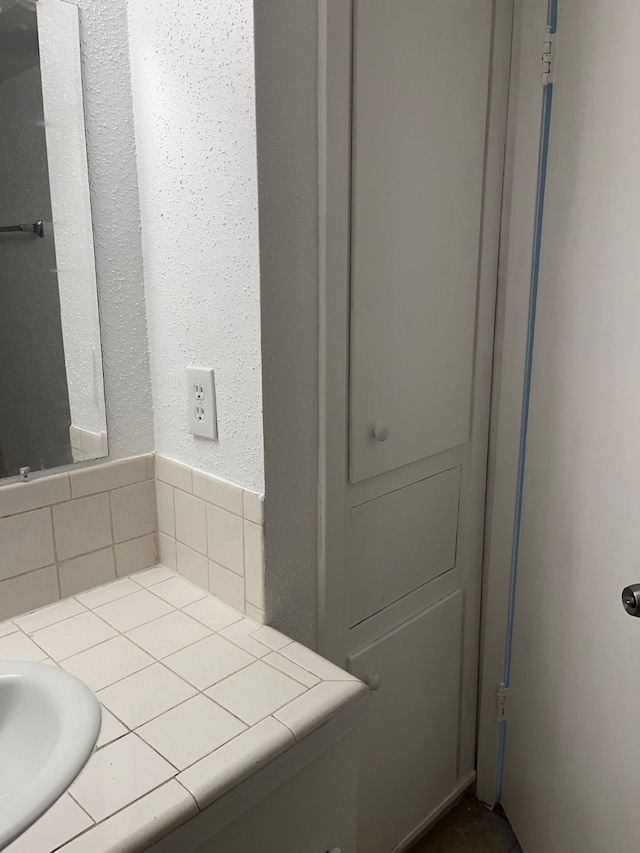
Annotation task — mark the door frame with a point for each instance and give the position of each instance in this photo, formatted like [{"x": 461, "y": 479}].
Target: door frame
[
  {"x": 512, "y": 319},
  {"x": 334, "y": 130}
]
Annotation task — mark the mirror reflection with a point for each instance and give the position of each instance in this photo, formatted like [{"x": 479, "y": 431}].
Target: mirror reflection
[{"x": 52, "y": 409}]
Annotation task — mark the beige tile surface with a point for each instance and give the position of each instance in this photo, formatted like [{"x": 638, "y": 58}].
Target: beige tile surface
[
  {"x": 73, "y": 635},
  {"x": 119, "y": 774},
  {"x": 225, "y": 539},
  {"x": 144, "y": 695},
  {"x": 190, "y": 515},
  {"x": 173, "y": 473},
  {"x": 109, "y": 475},
  {"x": 215, "y": 491},
  {"x": 255, "y": 692},
  {"x": 21, "y": 497},
  {"x": 87, "y": 572},
  {"x": 190, "y": 731},
  {"x": 208, "y": 661},
  {"x": 107, "y": 663},
  {"x": 28, "y": 591},
  {"x": 136, "y": 554},
  {"x": 165, "y": 507},
  {"x": 82, "y": 525},
  {"x": 133, "y": 511},
  {"x": 64, "y": 820},
  {"x": 205, "y": 716},
  {"x": 26, "y": 542},
  {"x": 227, "y": 585},
  {"x": 133, "y": 610},
  {"x": 192, "y": 565},
  {"x": 168, "y": 634}
]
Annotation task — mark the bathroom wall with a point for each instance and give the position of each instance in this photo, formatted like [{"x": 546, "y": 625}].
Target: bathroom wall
[
  {"x": 193, "y": 93},
  {"x": 286, "y": 44},
  {"x": 116, "y": 222}
]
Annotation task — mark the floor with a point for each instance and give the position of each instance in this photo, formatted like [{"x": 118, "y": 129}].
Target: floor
[{"x": 470, "y": 828}]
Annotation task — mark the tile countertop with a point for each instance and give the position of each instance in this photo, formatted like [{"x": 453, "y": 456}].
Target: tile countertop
[{"x": 195, "y": 698}]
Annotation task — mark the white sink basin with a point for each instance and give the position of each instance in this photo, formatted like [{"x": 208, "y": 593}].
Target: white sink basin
[{"x": 49, "y": 724}]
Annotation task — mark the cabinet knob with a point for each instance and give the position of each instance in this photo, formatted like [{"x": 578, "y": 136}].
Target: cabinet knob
[
  {"x": 373, "y": 682},
  {"x": 381, "y": 433}
]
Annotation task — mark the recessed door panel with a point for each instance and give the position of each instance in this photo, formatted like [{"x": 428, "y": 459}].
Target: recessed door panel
[
  {"x": 400, "y": 541},
  {"x": 408, "y": 742},
  {"x": 420, "y": 83}
]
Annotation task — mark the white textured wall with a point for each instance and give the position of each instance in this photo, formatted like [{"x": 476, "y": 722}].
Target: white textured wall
[
  {"x": 193, "y": 90},
  {"x": 116, "y": 222}
]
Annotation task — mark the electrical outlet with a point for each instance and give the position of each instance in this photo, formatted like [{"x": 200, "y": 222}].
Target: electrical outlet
[{"x": 201, "y": 402}]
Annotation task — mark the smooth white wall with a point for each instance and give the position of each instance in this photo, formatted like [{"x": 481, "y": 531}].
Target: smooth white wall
[
  {"x": 193, "y": 89},
  {"x": 286, "y": 45}
]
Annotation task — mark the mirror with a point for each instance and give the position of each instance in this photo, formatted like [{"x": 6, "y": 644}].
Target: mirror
[{"x": 52, "y": 409}]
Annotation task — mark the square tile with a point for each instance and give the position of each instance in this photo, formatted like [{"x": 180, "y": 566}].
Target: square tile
[
  {"x": 191, "y": 521},
  {"x": 42, "y": 492},
  {"x": 225, "y": 539},
  {"x": 166, "y": 514},
  {"x": 82, "y": 525},
  {"x": 136, "y": 554},
  {"x": 28, "y": 591},
  {"x": 7, "y": 628},
  {"x": 168, "y": 634},
  {"x": 212, "y": 613},
  {"x": 291, "y": 669},
  {"x": 192, "y": 565},
  {"x": 255, "y": 613},
  {"x": 107, "y": 476},
  {"x": 26, "y": 542},
  {"x": 218, "y": 492},
  {"x": 214, "y": 775},
  {"x": 207, "y": 661},
  {"x": 253, "y": 507},
  {"x": 62, "y": 822},
  {"x": 254, "y": 563},
  {"x": 119, "y": 774},
  {"x": 133, "y": 610},
  {"x": 315, "y": 664},
  {"x": 133, "y": 509},
  {"x": 143, "y": 823},
  {"x": 103, "y": 594},
  {"x": 191, "y": 731},
  {"x": 255, "y": 692},
  {"x": 86, "y": 572},
  {"x": 241, "y": 632},
  {"x": 110, "y": 729},
  {"x": 316, "y": 706},
  {"x": 19, "y": 647},
  {"x": 73, "y": 635},
  {"x": 173, "y": 473},
  {"x": 154, "y": 575},
  {"x": 167, "y": 551},
  {"x": 151, "y": 466},
  {"x": 107, "y": 663},
  {"x": 227, "y": 585},
  {"x": 179, "y": 592},
  {"x": 270, "y": 637},
  {"x": 144, "y": 695}
]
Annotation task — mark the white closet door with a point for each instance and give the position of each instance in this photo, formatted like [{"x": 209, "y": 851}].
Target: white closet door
[{"x": 419, "y": 120}]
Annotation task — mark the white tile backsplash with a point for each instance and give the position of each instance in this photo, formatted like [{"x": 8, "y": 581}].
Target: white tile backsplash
[
  {"x": 66, "y": 533},
  {"x": 82, "y": 525},
  {"x": 57, "y": 532}
]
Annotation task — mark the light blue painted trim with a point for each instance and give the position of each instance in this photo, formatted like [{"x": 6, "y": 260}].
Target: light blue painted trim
[{"x": 543, "y": 157}]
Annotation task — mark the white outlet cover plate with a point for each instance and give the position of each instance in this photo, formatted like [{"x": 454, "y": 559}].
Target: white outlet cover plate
[{"x": 201, "y": 402}]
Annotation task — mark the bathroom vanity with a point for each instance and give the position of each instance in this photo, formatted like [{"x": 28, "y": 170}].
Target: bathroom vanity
[{"x": 218, "y": 733}]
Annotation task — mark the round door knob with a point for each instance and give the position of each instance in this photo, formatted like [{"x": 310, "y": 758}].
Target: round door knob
[
  {"x": 373, "y": 682},
  {"x": 381, "y": 433},
  {"x": 631, "y": 599}
]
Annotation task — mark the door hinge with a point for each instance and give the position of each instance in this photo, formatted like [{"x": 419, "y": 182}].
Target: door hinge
[
  {"x": 503, "y": 695},
  {"x": 548, "y": 56}
]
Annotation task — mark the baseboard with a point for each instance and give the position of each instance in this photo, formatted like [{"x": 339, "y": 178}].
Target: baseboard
[{"x": 442, "y": 808}]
